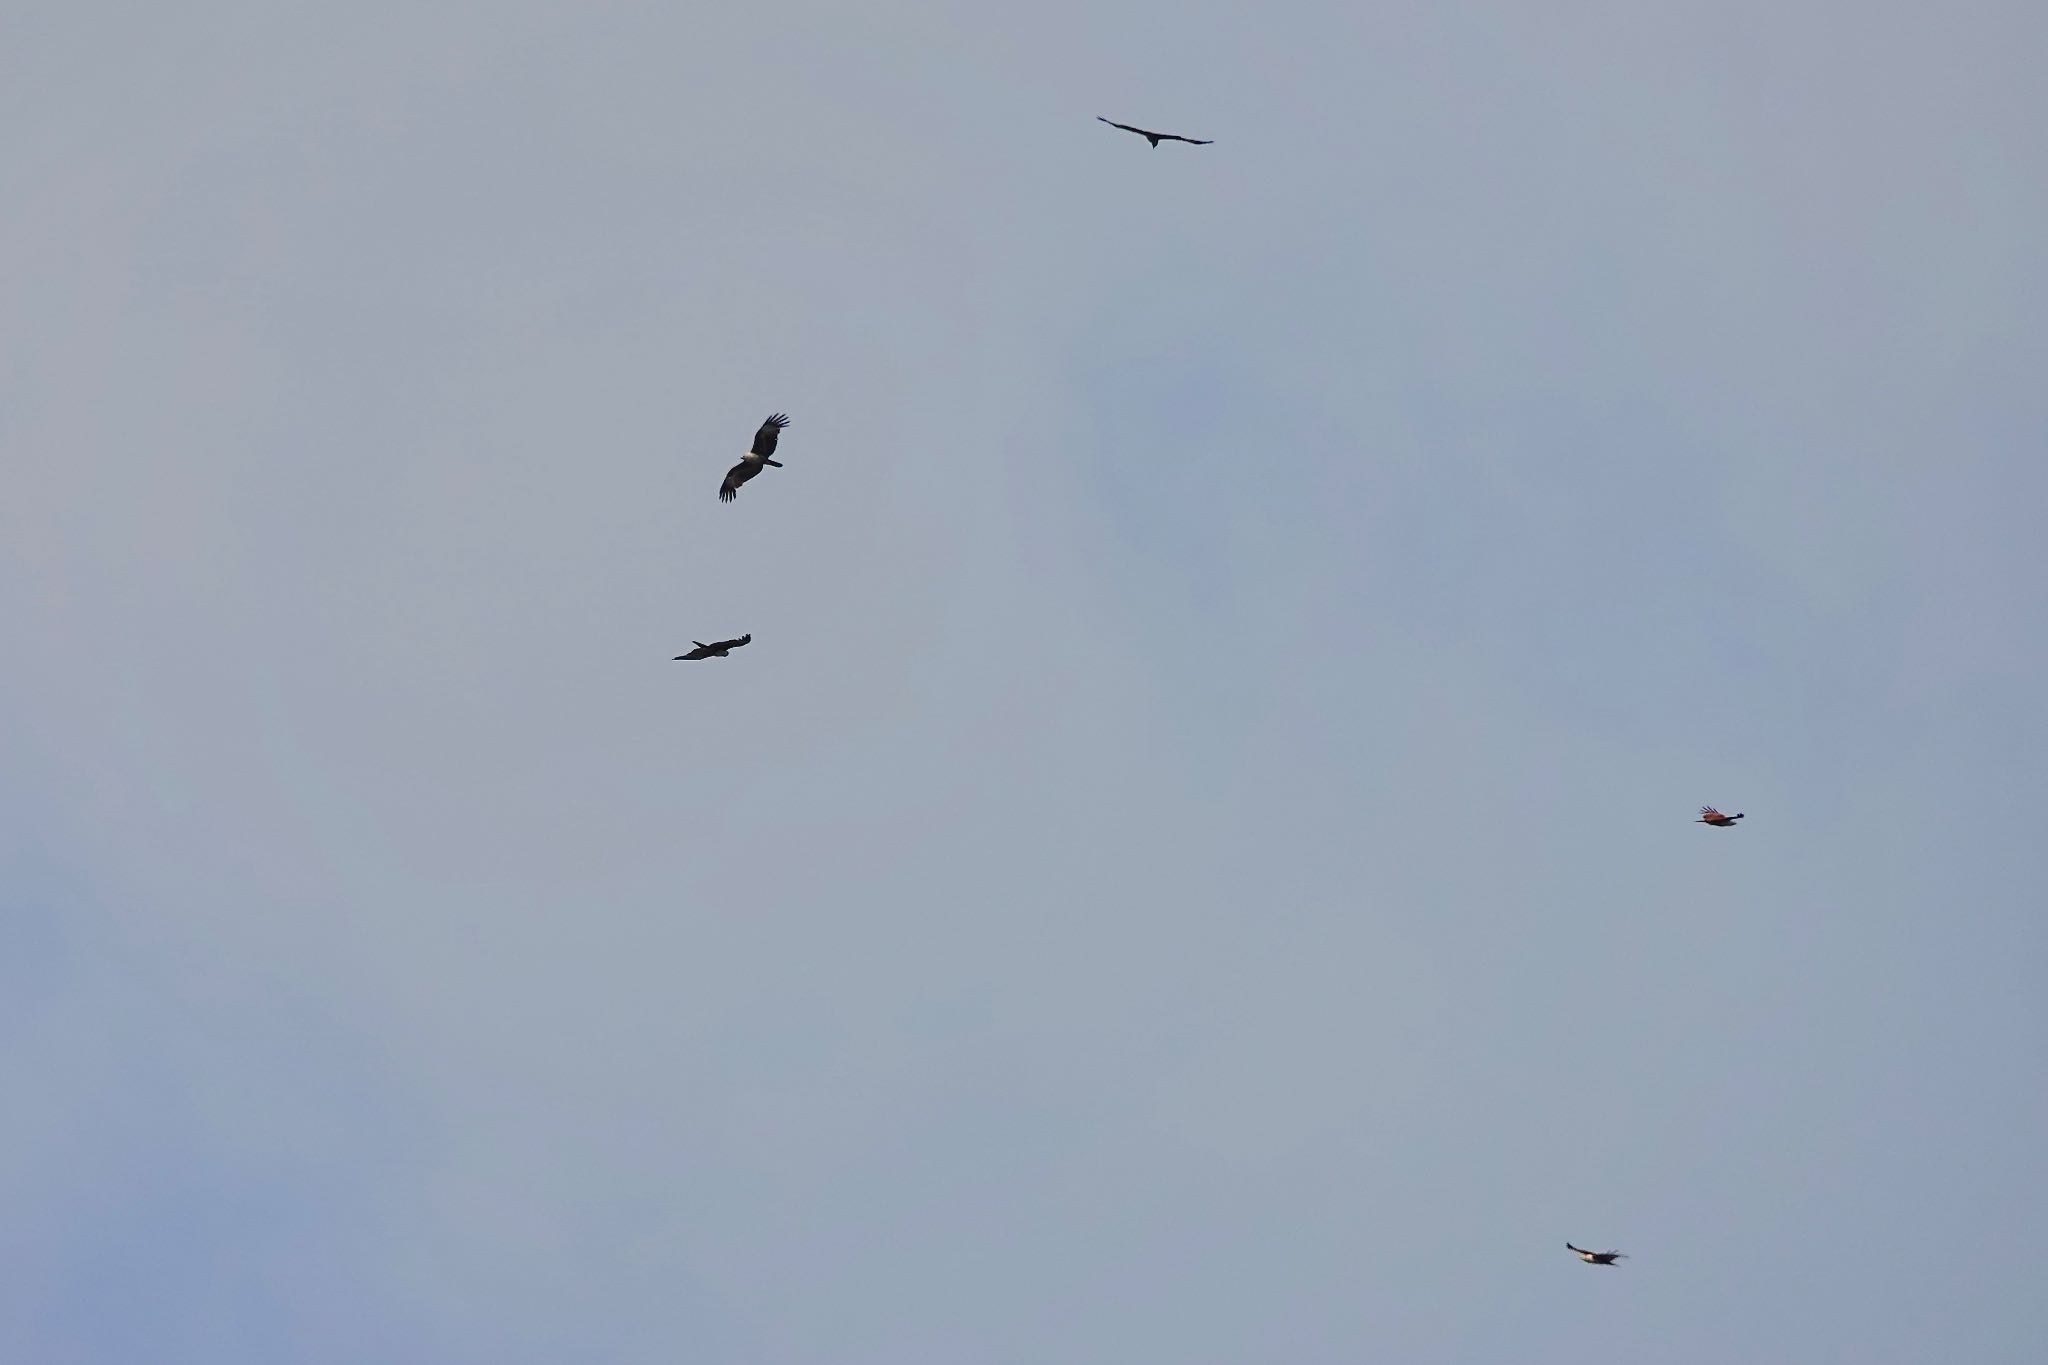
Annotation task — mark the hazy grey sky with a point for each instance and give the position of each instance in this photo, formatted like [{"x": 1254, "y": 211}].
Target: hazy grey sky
[{"x": 1195, "y": 867}]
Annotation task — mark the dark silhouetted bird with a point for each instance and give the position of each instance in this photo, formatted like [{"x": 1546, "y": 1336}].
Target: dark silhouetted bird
[
  {"x": 750, "y": 464},
  {"x": 1596, "y": 1257},
  {"x": 717, "y": 649},
  {"x": 1710, "y": 816},
  {"x": 1156, "y": 138}
]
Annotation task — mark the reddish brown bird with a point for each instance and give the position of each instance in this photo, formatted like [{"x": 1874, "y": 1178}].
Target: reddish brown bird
[
  {"x": 1710, "y": 816},
  {"x": 751, "y": 462}
]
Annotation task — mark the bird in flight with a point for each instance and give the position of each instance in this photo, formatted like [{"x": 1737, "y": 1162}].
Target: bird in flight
[
  {"x": 750, "y": 463},
  {"x": 1710, "y": 816},
  {"x": 1596, "y": 1257},
  {"x": 717, "y": 649},
  {"x": 1156, "y": 138}
]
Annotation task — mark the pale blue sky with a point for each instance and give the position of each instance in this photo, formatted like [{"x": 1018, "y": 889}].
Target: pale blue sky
[{"x": 1196, "y": 866}]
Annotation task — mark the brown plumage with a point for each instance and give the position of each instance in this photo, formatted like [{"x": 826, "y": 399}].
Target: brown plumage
[
  {"x": 1710, "y": 816},
  {"x": 1596, "y": 1257},
  {"x": 750, "y": 463},
  {"x": 717, "y": 649},
  {"x": 1156, "y": 138}
]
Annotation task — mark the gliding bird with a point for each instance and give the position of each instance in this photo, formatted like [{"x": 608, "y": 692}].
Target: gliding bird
[
  {"x": 717, "y": 649},
  {"x": 750, "y": 463},
  {"x": 1156, "y": 138}
]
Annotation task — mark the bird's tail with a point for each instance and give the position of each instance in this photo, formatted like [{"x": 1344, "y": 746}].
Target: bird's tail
[
  {"x": 776, "y": 463},
  {"x": 699, "y": 643},
  {"x": 1736, "y": 816}
]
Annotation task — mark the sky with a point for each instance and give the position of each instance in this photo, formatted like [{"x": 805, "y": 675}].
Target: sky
[{"x": 1197, "y": 863}]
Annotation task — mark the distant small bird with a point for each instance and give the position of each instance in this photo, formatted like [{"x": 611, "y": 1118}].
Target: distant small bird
[
  {"x": 1710, "y": 816},
  {"x": 750, "y": 464},
  {"x": 718, "y": 649},
  {"x": 1596, "y": 1257},
  {"x": 1156, "y": 138}
]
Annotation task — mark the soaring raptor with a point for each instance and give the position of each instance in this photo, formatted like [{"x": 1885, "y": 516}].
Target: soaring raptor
[
  {"x": 1596, "y": 1257},
  {"x": 1156, "y": 138},
  {"x": 750, "y": 463},
  {"x": 717, "y": 649}
]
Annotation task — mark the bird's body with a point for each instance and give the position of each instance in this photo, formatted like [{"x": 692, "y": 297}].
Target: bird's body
[
  {"x": 1156, "y": 138},
  {"x": 750, "y": 463},
  {"x": 717, "y": 649},
  {"x": 1595, "y": 1257},
  {"x": 1710, "y": 816}
]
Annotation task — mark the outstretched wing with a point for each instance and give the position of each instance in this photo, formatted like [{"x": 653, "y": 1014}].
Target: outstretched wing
[
  {"x": 699, "y": 652},
  {"x": 734, "y": 477},
  {"x": 1709, "y": 813},
  {"x": 764, "y": 439},
  {"x": 733, "y": 644},
  {"x": 1155, "y": 138}
]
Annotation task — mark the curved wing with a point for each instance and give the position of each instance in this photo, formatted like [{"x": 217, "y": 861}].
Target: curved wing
[
  {"x": 734, "y": 644},
  {"x": 734, "y": 477},
  {"x": 1155, "y": 138},
  {"x": 764, "y": 439}
]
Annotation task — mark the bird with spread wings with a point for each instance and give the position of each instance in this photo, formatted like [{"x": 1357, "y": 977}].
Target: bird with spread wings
[
  {"x": 750, "y": 463},
  {"x": 1710, "y": 816},
  {"x": 1156, "y": 138},
  {"x": 717, "y": 649},
  {"x": 1596, "y": 1257}
]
